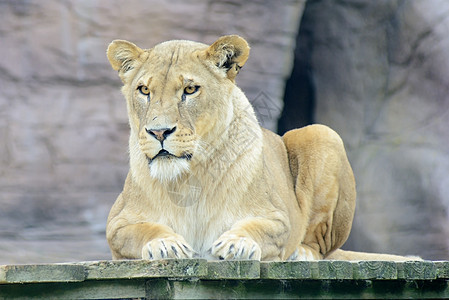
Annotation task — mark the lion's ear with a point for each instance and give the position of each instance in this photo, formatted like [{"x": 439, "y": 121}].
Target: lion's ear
[
  {"x": 229, "y": 52},
  {"x": 123, "y": 56}
]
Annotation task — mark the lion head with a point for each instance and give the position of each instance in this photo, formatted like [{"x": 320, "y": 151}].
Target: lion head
[{"x": 175, "y": 98}]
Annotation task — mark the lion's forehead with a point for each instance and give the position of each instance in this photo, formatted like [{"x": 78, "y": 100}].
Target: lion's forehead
[
  {"x": 174, "y": 52},
  {"x": 172, "y": 61},
  {"x": 175, "y": 45}
]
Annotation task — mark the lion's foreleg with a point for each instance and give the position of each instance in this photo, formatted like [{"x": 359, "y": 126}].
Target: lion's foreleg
[
  {"x": 252, "y": 238},
  {"x": 147, "y": 241}
]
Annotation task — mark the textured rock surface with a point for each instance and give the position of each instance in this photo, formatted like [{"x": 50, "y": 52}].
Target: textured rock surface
[
  {"x": 378, "y": 73},
  {"x": 63, "y": 123}
]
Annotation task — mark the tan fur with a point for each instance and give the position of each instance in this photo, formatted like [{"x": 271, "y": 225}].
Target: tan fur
[{"x": 228, "y": 188}]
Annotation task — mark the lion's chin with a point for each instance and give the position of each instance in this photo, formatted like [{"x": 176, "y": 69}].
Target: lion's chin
[{"x": 166, "y": 169}]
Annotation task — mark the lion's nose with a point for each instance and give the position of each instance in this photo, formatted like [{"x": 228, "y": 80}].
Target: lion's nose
[{"x": 160, "y": 134}]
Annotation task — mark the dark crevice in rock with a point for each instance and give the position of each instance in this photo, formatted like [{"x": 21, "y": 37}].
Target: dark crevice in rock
[{"x": 299, "y": 95}]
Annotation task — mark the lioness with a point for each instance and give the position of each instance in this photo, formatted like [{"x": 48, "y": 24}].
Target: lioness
[{"x": 206, "y": 180}]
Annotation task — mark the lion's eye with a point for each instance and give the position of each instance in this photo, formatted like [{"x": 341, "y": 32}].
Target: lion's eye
[
  {"x": 192, "y": 89},
  {"x": 144, "y": 90}
]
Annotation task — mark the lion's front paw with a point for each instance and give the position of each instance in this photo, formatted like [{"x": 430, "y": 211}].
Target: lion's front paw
[
  {"x": 167, "y": 248},
  {"x": 233, "y": 247},
  {"x": 305, "y": 253}
]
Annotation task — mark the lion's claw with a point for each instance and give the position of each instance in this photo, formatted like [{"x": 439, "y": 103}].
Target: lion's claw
[
  {"x": 234, "y": 247},
  {"x": 167, "y": 248}
]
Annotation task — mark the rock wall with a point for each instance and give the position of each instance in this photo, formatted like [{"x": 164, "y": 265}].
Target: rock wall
[
  {"x": 378, "y": 73},
  {"x": 63, "y": 123}
]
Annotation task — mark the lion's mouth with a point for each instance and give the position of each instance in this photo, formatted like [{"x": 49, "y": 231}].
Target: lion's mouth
[{"x": 164, "y": 154}]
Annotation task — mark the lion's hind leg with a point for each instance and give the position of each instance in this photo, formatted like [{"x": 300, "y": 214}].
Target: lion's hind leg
[
  {"x": 340, "y": 254},
  {"x": 324, "y": 187}
]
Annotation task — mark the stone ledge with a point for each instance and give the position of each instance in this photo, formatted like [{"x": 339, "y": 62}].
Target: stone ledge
[
  {"x": 237, "y": 269},
  {"x": 127, "y": 269},
  {"x": 216, "y": 270},
  {"x": 42, "y": 273},
  {"x": 199, "y": 278}
]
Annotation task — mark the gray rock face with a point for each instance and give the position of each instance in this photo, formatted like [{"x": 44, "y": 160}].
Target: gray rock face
[
  {"x": 63, "y": 122},
  {"x": 379, "y": 71},
  {"x": 375, "y": 71}
]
